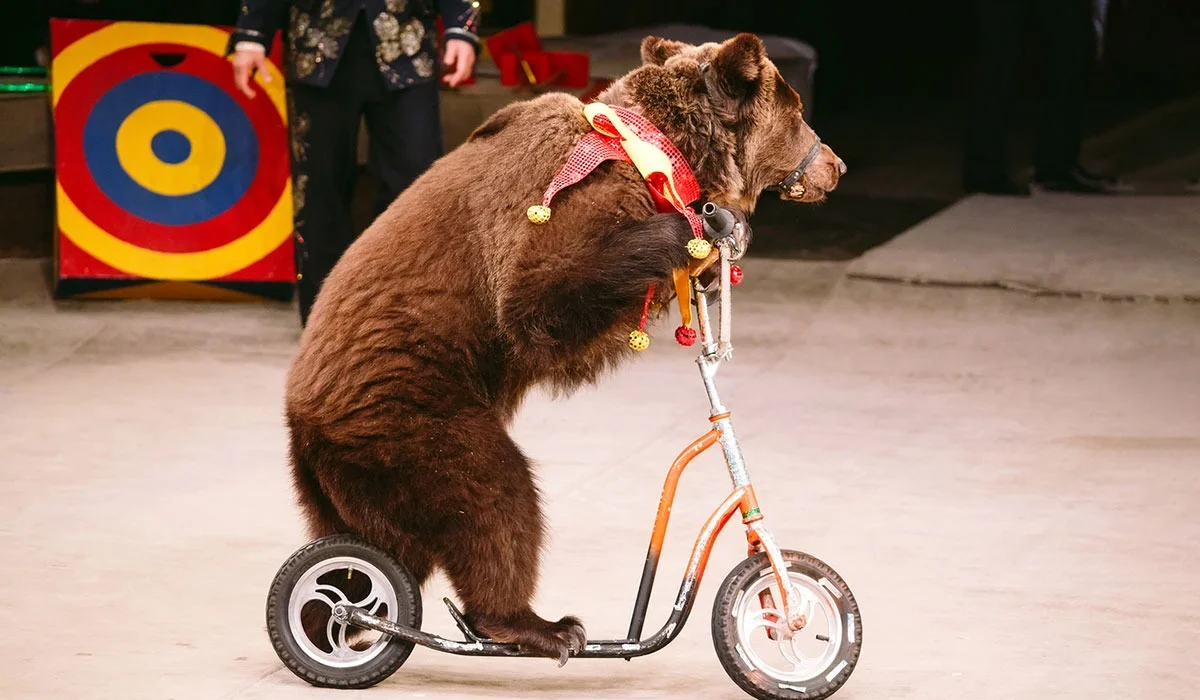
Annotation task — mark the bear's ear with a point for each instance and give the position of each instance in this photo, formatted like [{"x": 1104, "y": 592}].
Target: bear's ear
[
  {"x": 656, "y": 51},
  {"x": 739, "y": 64},
  {"x": 496, "y": 122}
]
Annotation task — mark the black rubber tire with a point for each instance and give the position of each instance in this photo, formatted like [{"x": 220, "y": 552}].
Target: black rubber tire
[
  {"x": 396, "y": 651},
  {"x": 753, "y": 680}
]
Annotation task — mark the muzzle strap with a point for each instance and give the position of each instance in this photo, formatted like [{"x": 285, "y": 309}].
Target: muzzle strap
[{"x": 794, "y": 176}]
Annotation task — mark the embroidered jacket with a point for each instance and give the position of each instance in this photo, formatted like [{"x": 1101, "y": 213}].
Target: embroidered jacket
[{"x": 315, "y": 34}]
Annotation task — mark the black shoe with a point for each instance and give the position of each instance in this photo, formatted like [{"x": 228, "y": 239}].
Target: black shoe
[
  {"x": 1077, "y": 181},
  {"x": 1103, "y": 180},
  {"x": 1002, "y": 186}
]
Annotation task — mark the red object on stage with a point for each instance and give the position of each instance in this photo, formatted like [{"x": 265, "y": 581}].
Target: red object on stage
[
  {"x": 599, "y": 86},
  {"x": 510, "y": 69},
  {"x": 508, "y": 48},
  {"x": 514, "y": 40},
  {"x": 574, "y": 67},
  {"x": 513, "y": 73}
]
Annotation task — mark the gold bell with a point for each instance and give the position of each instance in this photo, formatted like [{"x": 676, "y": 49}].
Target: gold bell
[
  {"x": 538, "y": 213},
  {"x": 699, "y": 248},
  {"x": 638, "y": 340}
]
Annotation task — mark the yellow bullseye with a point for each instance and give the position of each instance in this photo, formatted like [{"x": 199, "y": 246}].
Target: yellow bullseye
[{"x": 196, "y": 171}]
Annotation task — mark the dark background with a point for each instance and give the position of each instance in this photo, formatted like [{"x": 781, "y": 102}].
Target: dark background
[
  {"x": 889, "y": 89},
  {"x": 866, "y": 48},
  {"x": 923, "y": 48}
]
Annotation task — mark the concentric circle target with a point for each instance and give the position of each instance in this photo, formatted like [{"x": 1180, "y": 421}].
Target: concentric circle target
[{"x": 173, "y": 174}]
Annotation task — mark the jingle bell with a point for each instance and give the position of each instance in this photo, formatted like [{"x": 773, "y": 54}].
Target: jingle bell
[
  {"x": 538, "y": 213},
  {"x": 699, "y": 248},
  {"x": 639, "y": 340}
]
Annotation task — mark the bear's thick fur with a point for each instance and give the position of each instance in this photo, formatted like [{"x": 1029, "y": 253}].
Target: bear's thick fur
[{"x": 452, "y": 305}]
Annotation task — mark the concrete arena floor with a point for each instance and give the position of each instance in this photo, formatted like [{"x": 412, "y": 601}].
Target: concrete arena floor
[{"x": 1008, "y": 484}]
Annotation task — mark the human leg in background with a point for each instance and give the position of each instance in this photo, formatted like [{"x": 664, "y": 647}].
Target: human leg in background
[
  {"x": 993, "y": 97},
  {"x": 325, "y": 125},
  {"x": 1067, "y": 35},
  {"x": 406, "y": 137}
]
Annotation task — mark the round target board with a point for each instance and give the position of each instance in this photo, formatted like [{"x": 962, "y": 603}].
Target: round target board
[{"x": 165, "y": 171}]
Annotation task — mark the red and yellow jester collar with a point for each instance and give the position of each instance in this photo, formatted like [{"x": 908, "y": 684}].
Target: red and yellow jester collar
[{"x": 620, "y": 134}]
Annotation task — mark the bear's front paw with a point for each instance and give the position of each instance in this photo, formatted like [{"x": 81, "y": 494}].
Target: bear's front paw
[{"x": 742, "y": 235}]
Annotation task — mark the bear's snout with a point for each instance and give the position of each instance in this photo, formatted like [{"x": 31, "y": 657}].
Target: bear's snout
[
  {"x": 820, "y": 178},
  {"x": 833, "y": 165}
]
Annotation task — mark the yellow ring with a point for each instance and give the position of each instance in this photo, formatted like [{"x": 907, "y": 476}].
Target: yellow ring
[
  {"x": 210, "y": 264},
  {"x": 194, "y": 173}
]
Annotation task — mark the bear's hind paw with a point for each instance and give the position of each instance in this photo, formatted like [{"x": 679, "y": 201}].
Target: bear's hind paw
[
  {"x": 555, "y": 640},
  {"x": 574, "y": 637}
]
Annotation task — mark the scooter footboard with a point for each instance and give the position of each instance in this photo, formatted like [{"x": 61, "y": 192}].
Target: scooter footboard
[{"x": 597, "y": 649}]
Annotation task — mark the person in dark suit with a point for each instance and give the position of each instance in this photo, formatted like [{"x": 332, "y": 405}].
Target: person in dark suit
[
  {"x": 345, "y": 60},
  {"x": 1067, "y": 38}
]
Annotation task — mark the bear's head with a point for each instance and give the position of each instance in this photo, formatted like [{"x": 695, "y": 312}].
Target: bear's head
[{"x": 733, "y": 116}]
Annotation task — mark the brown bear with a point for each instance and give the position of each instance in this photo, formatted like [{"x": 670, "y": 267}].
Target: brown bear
[{"x": 452, "y": 305}]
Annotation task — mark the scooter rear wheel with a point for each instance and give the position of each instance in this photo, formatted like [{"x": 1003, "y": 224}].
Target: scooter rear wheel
[
  {"x": 317, "y": 648},
  {"x": 749, "y": 631}
]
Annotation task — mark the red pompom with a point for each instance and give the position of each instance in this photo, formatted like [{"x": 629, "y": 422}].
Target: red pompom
[
  {"x": 685, "y": 335},
  {"x": 735, "y": 274}
]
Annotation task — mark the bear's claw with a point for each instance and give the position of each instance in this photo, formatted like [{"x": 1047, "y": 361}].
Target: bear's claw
[
  {"x": 572, "y": 637},
  {"x": 556, "y": 640}
]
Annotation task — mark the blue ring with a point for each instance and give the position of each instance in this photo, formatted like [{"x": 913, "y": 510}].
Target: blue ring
[{"x": 100, "y": 148}]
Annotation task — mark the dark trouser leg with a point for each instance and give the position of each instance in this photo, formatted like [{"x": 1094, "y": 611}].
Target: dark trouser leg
[
  {"x": 993, "y": 90},
  {"x": 1065, "y": 33},
  {"x": 325, "y": 127},
  {"x": 406, "y": 137},
  {"x": 324, "y": 181}
]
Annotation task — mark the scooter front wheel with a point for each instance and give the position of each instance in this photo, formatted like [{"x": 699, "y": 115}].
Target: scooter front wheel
[
  {"x": 311, "y": 642},
  {"x": 756, "y": 648}
]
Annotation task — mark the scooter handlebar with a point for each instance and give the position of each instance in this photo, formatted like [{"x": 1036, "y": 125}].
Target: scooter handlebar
[{"x": 718, "y": 222}]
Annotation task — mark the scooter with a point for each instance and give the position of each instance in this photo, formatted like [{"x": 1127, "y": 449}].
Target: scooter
[{"x": 784, "y": 624}]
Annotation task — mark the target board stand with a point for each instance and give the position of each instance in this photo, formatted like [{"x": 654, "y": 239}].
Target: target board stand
[{"x": 170, "y": 182}]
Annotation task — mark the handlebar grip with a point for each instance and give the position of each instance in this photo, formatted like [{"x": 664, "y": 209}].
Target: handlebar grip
[{"x": 718, "y": 222}]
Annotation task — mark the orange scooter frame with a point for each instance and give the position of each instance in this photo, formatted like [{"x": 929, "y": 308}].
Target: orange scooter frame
[{"x": 741, "y": 497}]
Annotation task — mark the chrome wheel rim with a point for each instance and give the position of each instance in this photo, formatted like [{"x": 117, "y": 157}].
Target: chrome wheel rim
[
  {"x": 323, "y": 585},
  {"x": 791, "y": 657}
]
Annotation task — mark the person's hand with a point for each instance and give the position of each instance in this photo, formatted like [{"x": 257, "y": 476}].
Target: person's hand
[
  {"x": 245, "y": 62},
  {"x": 459, "y": 60}
]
